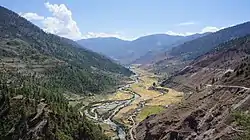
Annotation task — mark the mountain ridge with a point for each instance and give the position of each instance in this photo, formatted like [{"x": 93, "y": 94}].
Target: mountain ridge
[
  {"x": 50, "y": 56},
  {"x": 121, "y": 50},
  {"x": 178, "y": 57},
  {"x": 152, "y": 56},
  {"x": 216, "y": 87},
  {"x": 37, "y": 69}
]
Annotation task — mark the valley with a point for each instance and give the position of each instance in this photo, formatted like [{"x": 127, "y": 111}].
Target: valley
[
  {"x": 119, "y": 113},
  {"x": 162, "y": 86}
]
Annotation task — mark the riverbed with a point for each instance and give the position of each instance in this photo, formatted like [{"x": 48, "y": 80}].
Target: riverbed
[{"x": 104, "y": 112}]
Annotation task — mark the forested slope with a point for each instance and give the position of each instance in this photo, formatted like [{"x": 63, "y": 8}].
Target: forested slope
[
  {"x": 29, "y": 111},
  {"x": 59, "y": 61}
]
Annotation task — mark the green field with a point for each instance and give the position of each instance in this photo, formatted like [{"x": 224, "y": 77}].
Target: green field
[{"x": 147, "y": 111}]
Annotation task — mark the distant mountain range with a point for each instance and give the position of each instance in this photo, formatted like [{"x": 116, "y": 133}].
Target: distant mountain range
[
  {"x": 180, "y": 55},
  {"x": 156, "y": 53},
  {"x": 127, "y": 52},
  {"x": 199, "y": 46}
]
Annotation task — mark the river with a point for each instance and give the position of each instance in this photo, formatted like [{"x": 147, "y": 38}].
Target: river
[{"x": 104, "y": 112}]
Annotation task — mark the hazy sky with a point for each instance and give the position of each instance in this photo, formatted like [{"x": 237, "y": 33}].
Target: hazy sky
[{"x": 129, "y": 19}]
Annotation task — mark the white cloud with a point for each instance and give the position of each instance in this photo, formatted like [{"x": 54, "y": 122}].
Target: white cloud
[
  {"x": 62, "y": 22},
  {"x": 95, "y": 35},
  {"x": 210, "y": 29},
  {"x": 186, "y": 23},
  {"x": 204, "y": 30},
  {"x": 102, "y": 34},
  {"x": 179, "y": 34},
  {"x": 31, "y": 16}
]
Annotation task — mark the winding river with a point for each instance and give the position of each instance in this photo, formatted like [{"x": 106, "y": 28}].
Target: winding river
[{"x": 104, "y": 112}]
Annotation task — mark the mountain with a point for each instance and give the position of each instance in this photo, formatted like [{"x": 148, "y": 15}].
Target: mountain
[
  {"x": 179, "y": 56},
  {"x": 36, "y": 70},
  {"x": 100, "y": 45},
  {"x": 216, "y": 103},
  {"x": 199, "y": 46},
  {"x": 127, "y": 51},
  {"x": 61, "y": 62},
  {"x": 142, "y": 45},
  {"x": 152, "y": 56}
]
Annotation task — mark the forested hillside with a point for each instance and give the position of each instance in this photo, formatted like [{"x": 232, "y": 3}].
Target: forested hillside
[
  {"x": 36, "y": 69},
  {"x": 30, "y": 111},
  {"x": 59, "y": 62}
]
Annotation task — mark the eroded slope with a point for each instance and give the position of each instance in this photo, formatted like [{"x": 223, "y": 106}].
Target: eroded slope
[{"x": 216, "y": 86}]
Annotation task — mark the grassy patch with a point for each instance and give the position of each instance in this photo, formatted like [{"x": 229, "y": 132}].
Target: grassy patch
[
  {"x": 148, "y": 110},
  {"x": 243, "y": 121}
]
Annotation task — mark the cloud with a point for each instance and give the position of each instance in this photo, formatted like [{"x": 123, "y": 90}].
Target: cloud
[
  {"x": 101, "y": 34},
  {"x": 204, "y": 30},
  {"x": 31, "y": 16},
  {"x": 62, "y": 22},
  {"x": 179, "y": 34},
  {"x": 210, "y": 29},
  {"x": 186, "y": 23}
]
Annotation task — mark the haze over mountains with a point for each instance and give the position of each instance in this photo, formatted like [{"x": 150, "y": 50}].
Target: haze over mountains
[
  {"x": 180, "y": 55},
  {"x": 127, "y": 52},
  {"x": 147, "y": 49}
]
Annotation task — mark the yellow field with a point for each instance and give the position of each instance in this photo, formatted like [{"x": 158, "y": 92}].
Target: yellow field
[
  {"x": 171, "y": 97},
  {"x": 155, "y": 101},
  {"x": 143, "y": 91},
  {"x": 120, "y": 95}
]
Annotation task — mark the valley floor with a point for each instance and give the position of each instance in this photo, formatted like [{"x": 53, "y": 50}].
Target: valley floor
[{"x": 122, "y": 111}]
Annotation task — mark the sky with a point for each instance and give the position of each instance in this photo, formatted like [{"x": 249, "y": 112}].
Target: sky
[{"x": 130, "y": 19}]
